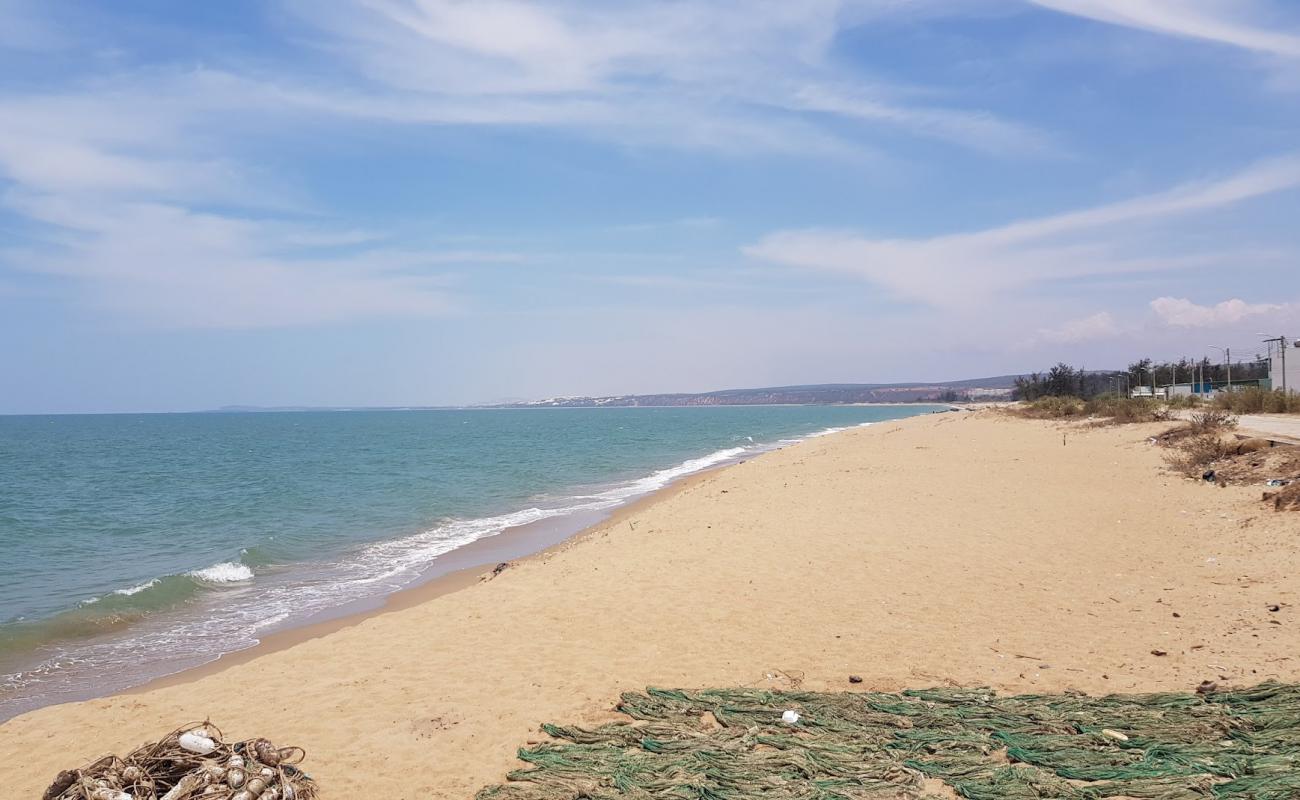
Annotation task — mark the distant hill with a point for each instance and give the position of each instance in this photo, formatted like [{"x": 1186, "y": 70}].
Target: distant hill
[
  {"x": 293, "y": 409},
  {"x": 997, "y": 388},
  {"x": 972, "y": 389}
]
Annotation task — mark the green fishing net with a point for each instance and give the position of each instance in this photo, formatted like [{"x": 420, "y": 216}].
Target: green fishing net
[{"x": 729, "y": 744}]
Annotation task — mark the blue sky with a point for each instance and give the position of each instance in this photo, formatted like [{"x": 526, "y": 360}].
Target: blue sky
[{"x": 429, "y": 201}]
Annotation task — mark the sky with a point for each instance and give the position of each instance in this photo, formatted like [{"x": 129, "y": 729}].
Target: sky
[{"x": 428, "y": 202}]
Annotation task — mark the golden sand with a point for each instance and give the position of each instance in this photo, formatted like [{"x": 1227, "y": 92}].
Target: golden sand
[{"x": 968, "y": 548}]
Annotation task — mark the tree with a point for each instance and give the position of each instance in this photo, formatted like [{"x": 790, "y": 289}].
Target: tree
[
  {"x": 1062, "y": 380},
  {"x": 1029, "y": 387}
]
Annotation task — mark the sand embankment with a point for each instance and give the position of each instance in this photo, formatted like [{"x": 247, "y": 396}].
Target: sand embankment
[{"x": 955, "y": 548}]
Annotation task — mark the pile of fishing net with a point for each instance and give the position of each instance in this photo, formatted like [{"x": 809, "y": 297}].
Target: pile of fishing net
[
  {"x": 192, "y": 761},
  {"x": 728, "y": 744}
]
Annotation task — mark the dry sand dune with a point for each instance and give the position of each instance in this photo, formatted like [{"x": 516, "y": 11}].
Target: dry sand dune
[{"x": 958, "y": 548}]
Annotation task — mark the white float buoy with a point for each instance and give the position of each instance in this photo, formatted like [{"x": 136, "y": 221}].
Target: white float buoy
[
  {"x": 790, "y": 717},
  {"x": 196, "y": 742}
]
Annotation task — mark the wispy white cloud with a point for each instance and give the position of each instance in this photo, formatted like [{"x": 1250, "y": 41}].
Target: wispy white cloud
[
  {"x": 106, "y": 140},
  {"x": 1101, "y": 325},
  {"x": 978, "y": 130},
  {"x": 129, "y": 195},
  {"x": 1180, "y": 312},
  {"x": 699, "y": 75},
  {"x": 1226, "y": 23},
  {"x": 134, "y": 189},
  {"x": 964, "y": 269},
  {"x": 169, "y": 265}
]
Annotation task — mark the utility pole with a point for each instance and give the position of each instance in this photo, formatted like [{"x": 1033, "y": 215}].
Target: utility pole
[
  {"x": 1281, "y": 343},
  {"x": 1227, "y": 360}
]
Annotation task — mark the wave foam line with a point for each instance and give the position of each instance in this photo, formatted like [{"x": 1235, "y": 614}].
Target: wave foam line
[{"x": 225, "y": 572}]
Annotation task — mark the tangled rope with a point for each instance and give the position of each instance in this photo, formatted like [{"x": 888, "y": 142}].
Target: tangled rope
[
  {"x": 729, "y": 744},
  {"x": 192, "y": 761}
]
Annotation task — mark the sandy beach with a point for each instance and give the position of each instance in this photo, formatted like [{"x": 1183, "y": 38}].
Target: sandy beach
[{"x": 952, "y": 549}]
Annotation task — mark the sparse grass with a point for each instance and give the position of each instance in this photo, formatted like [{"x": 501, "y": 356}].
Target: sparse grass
[
  {"x": 1258, "y": 401},
  {"x": 1052, "y": 408},
  {"x": 1181, "y": 401},
  {"x": 1102, "y": 410}
]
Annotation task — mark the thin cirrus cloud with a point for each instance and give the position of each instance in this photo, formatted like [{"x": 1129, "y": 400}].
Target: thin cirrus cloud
[
  {"x": 1206, "y": 20},
  {"x": 694, "y": 75},
  {"x": 168, "y": 265},
  {"x": 165, "y": 144},
  {"x": 963, "y": 269},
  {"x": 148, "y": 214}
]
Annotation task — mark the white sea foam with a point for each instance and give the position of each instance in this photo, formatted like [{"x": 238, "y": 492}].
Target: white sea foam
[
  {"x": 127, "y": 592},
  {"x": 136, "y": 589},
  {"x": 225, "y": 572}
]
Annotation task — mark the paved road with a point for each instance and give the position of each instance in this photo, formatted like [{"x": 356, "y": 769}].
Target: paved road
[
  {"x": 1285, "y": 426},
  {"x": 1274, "y": 426}
]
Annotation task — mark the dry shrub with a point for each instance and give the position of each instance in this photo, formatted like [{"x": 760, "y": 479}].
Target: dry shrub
[
  {"x": 1052, "y": 408},
  {"x": 1123, "y": 410},
  {"x": 1254, "y": 400},
  {"x": 1285, "y": 499},
  {"x": 1257, "y": 466},
  {"x": 1174, "y": 435},
  {"x": 1201, "y": 424},
  {"x": 1212, "y": 421},
  {"x": 1185, "y": 401},
  {"x": 1197, "y": 453},
  {"x": 1101, "y": 411},
  {"x": 1247, "y": 462}
]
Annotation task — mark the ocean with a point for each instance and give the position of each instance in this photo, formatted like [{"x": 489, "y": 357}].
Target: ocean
[{"x": 138, "y": 545}]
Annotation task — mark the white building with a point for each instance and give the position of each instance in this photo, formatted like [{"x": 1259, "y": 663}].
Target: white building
[{"x": 1292, "y": 357}]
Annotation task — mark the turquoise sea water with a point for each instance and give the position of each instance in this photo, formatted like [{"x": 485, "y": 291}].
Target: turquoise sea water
[{"x": 135, "y": 545}]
